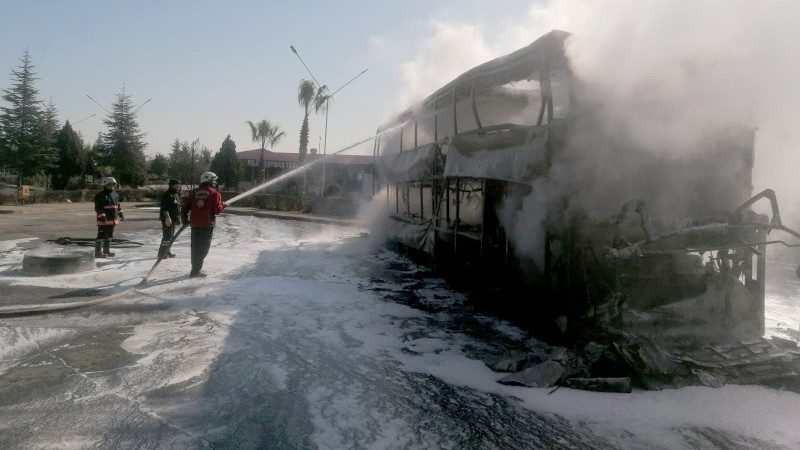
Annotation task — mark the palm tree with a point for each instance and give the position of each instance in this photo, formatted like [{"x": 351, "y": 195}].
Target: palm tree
[
  {"x": 264, "y": 133},
  {"x": 305, "y": 96},
  {"x": 321, "y": 101}
]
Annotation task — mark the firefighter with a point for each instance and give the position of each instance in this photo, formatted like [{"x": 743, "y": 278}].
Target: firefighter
[
  {"x": 109, "y": 213},
  {"x": 170, "y": 215},
  {"x": 200, "y": 209}
]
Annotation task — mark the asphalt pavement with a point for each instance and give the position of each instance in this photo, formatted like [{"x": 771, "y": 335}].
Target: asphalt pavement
[{"x": 35, "y": 225}]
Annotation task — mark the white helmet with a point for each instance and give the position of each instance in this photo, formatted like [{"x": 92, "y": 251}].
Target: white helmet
[
  {"x": 208, "y": 177},
  {"x": 109, "y": 180}
]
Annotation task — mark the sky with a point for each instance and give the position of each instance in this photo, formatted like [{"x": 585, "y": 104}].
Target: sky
[
  {"x": 209, "y": 66},
  {"x": 204, "y": 68}
]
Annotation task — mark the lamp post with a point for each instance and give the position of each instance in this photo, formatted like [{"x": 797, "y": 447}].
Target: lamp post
[
  {"x": 88, "y": 117},
  {"x": 327, "y": 105}
]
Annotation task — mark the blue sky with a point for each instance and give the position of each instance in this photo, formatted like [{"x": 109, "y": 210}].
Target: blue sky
[{"x": 209, "y": 66}]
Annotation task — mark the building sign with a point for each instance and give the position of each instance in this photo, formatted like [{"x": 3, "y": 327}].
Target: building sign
[{"x": 274, "y": 164}]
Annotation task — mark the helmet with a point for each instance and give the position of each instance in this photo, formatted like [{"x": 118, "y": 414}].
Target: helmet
[
  {"x": 109, "y": 180},
  {"x": 174, "y": 181},
  {"x": 208, "y": 177}
]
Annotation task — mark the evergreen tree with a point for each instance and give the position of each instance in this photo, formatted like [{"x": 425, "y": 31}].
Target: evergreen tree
[
  {"x": 123, "y": 144},
  {"x": 21, "y": 122},
  {"x": 159, "y": 165},
  {"x": 187, "y": 161},
  {"x": 48, "y": 154},
  {"x": 95, "y": 160},
  {"x": 71, "y": 158},
  {"x": 50, "y": 124},
  {"x": 180, "y": 161},
  {"x": 4, "y": 163},
  {"x": 226, "y": 164},
  {"x": 87, "y": 162}
]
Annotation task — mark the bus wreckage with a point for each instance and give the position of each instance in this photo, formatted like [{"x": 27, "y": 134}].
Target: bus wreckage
[{"x": 652, "y": 266}]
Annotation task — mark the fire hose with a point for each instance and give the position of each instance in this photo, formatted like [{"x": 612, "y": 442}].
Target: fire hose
[{"x": 41, "y": 309}]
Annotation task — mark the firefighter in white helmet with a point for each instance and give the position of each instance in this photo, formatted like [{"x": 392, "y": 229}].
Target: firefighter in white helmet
[
  {"x": 200, "y": 209},
  {"x": 109, "y": 213}
]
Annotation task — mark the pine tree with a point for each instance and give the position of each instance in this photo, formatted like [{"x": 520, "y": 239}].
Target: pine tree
[
  {"x": 95, "y": 161},
  {"x": 187, "y": 161},
  {"x": 71, "y": 157},
  {"x": 123, "y": 144},
  {"x": 226, "y": 164},
  {"x": 159, "y": 165},
  {"x": 21, "y": 123},
  {"x": 180, "y": 164},
  {"x": 48, "y": 155}
]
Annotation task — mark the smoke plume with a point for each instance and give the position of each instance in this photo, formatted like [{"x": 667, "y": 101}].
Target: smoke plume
[{"x": 663, "y": 77}]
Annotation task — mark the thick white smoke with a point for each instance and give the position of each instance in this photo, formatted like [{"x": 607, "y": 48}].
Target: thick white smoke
[{"x": 665, "y": 72}]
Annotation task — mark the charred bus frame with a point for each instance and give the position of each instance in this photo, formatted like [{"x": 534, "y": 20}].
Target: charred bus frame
[{"x": 479, "y": 143}]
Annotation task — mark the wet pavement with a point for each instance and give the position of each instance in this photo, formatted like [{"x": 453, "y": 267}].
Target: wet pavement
[
  {"x": 290, "y": 343},
  {"x": 304, "y": 335}
]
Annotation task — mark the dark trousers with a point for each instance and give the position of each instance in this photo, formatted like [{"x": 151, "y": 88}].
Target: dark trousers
[
  {"x": 105, "y": 231},
  {"x": 166, "y": 236},
  {"x": 201, "y": 242}
]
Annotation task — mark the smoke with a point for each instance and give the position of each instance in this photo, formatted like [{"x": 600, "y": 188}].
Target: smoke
[
  {"x": 452, "y": 49},
  {"x": 667, "y": 77},
  {"x": 662, "y": 78},
  {"x": 375, "y": 213},
  {"x": 671, "y": 70}
]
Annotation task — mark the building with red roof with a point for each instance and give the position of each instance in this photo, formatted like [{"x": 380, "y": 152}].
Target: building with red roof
[{"x": 343, "y": 173}]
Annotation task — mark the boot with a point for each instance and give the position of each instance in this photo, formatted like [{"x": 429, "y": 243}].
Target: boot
[
  {"x": 97, "y": 252},
  {"x": 107, "y": 248}
]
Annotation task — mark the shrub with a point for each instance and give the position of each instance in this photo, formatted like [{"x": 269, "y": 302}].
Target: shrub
[
  {"x": 59, "y": 196},
  {"x": 133, "y": 195},
  {"x": 275, "y": 202},
  {"x": 7, "y": 198}
]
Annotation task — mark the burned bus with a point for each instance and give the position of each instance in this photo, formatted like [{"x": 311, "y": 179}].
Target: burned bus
[{"x": 509, "y": 174}]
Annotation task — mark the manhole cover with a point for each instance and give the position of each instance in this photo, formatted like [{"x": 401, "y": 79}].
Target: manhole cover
[{"x": 39, "y": 262}]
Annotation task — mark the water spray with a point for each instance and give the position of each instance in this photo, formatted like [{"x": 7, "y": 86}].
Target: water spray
[
  {"x": 264, "y": 186},
  {"x": 305, "y": 167},
  {"x": 42, "y": 309}
]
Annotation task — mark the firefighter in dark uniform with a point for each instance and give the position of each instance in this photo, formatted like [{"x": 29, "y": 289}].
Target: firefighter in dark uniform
[
  {"x": 202, "y": 205},
  {"x": 109, "y": 213},
  {"x": 170, "y": 215}
]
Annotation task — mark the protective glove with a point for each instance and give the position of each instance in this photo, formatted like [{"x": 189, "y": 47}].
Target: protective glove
[
  {"x": 167, "y": 222},
  {"x": 121, "y": 216}
]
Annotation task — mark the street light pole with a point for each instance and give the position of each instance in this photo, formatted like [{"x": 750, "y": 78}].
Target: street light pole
[
  {"x": 89, "y": 117},
  {"x": 327, "y": 107}
]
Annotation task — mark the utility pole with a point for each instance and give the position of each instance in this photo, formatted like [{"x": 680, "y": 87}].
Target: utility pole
[{"x": 327, "y": 107}]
